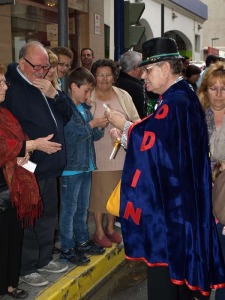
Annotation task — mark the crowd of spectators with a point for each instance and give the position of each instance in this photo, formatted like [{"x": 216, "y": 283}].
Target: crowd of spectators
[{"x": 56, "y": 158}]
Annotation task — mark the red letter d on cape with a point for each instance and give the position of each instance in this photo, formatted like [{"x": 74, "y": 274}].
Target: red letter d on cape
[{"x": 148, "y": 140}]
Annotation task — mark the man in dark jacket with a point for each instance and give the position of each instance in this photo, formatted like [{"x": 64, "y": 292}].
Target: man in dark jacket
[
  {"x": 41, "y": 110},
  {"x": 130, "y": 81},
  {"x": 87, "y": 58}
]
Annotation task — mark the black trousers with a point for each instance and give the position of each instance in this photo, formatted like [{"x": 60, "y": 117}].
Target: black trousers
[
  {"x": 38, "y": 241},
  {"x": 11, "y": 237},
  {"x": 161, "y": 288}
]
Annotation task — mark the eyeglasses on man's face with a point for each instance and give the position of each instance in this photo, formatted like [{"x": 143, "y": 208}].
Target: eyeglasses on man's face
[
  {"x": 215, "y": 89},
  {"x": 4, "y": 82},
  {"x": 61, "y": 64},
  {"x": 148, "y": 69},
  {"x": 38, "y": 67}
]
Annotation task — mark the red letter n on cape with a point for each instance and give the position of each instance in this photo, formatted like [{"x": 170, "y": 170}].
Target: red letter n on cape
[{"x": 134, "y": 214}]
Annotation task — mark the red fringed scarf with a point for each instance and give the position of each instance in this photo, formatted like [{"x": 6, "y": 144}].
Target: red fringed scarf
[{"x": 22, "y": 183}]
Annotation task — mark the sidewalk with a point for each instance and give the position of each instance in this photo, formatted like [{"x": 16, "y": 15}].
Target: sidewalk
[{"x": 78, "y": 281}]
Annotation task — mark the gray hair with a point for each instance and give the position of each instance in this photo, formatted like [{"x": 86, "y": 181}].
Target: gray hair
[
  {"x": 130, "y": 60},
  {"x": 24, "y": 49},
  {"x": 176, "y": 66}
]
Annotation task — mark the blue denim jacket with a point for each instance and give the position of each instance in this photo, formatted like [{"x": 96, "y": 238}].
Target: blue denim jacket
[{"x": 79, "y": 139}]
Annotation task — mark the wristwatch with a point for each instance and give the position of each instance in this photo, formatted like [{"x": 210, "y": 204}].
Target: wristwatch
[{"x": 56, "y": 97}]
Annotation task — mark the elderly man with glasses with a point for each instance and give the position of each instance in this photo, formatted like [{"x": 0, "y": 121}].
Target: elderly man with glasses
[{"x": 41, "y": 111}]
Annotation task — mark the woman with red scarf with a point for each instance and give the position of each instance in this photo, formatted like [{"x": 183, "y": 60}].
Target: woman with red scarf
[{"x": 24, "y": 193}]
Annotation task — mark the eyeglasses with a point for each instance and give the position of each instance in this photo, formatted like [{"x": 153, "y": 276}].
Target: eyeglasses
[
  {"x": 3, "y": 82},
  {"x": 61, "y": 64},
  {"x": 53, "y": 66},
  {"x": 38, "y": 67},
  {"x": 214, "y": 90},
  {"x": 147, "y": 69},
  {"x": 104, "y": 75}
]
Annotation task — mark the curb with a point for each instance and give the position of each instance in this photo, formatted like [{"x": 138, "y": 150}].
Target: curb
[{"x": 78, "y": 282}]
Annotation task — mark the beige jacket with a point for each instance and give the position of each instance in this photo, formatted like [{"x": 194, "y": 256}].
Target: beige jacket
[{"x": 125, "y": 101}]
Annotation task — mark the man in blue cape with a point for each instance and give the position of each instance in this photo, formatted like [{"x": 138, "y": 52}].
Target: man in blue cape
[{"x": 165, "y": 205}]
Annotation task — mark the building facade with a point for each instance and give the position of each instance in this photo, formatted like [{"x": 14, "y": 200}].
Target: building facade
[
  {"x": 180, "y": 19},
  {"x": 91, "y": 24},
  {"x": 38, "y": 20},
  {"x": 213, "y": 38}
]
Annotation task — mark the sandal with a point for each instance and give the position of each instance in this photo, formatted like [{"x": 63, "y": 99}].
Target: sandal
[{"x": 18, "y": 294}]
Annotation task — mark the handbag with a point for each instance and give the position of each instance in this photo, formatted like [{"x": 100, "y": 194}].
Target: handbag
[
  {"x": 5, "y": 199},
  {"x": 113, "y": 202},
  {"x": 218, "y": 198}
]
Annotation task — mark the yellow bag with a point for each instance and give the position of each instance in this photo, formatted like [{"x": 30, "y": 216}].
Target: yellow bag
[{"x": 113, "y": 203}]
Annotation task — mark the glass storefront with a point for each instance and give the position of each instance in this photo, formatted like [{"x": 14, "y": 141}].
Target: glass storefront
[
  {"x": 37, "y": 20},
  {"x": 32, "y": 23}
]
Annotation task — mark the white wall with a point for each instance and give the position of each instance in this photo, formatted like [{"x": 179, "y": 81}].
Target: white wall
[
  {"x": 214, "y": 26},
  {"x": 186, "y": 24}
]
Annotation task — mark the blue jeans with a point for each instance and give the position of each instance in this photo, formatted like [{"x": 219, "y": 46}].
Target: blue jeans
[
  {"x": 220, "y": 293},
  {"x": 75, "y": 195}
]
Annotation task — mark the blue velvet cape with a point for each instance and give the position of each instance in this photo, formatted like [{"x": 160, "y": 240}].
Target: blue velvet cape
[{"x": 166, "y": 211}]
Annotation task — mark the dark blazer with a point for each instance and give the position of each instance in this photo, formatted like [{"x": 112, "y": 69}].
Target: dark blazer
[
  {"x": 135, "y": 88},
  {"x": 32, "y": 110}
]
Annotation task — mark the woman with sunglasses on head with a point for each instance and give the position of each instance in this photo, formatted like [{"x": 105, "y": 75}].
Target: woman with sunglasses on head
[{"x": 212, "y": 97}]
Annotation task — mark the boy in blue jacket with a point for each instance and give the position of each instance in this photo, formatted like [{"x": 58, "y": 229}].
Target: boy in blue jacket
[{"x": 80, "y": 134}]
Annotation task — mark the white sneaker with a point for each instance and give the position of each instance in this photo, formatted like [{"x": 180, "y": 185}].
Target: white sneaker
[
  {"x": 54, "y": 267},
  {"x": 34, "y": 279}
]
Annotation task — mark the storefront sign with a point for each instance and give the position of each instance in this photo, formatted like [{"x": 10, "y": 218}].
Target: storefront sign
[
  {"x": 213, "y": 51},
  {"x": 3, "y": 2},
  {"x": 97, "y": 24},
  {"x": 52, "y": 32}
]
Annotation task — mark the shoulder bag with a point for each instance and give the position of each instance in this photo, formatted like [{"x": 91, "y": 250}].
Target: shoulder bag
[
  {"x": 218, "y": 198},
  {"x": 113, "y": 203}
]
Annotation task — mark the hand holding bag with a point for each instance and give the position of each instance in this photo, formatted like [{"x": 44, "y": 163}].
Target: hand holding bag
[
  {"x": 5, "y": 199},
  {"x": 113, "y": 203}
]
